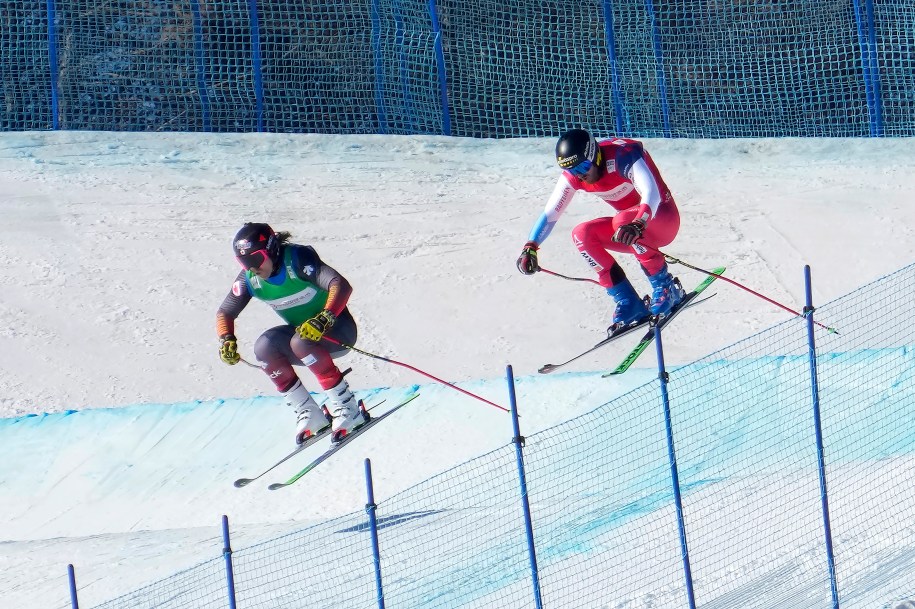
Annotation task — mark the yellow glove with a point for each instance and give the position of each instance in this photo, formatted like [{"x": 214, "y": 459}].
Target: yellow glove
[
  {"x": 315, "y": 328},
  {"x": 228, "y": 350}
]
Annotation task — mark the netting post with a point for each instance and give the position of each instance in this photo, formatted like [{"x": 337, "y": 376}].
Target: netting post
[
  {"x": 71, "y": 576},
  {"x": 440, "y": 65},
  {"x": 614, "y": 71},
  {"x": 864, "y": 20},
  {"x": 200, "y": 58},
  {"x": 370, "y": 509},
  {"x": 52, "y": 61},
  {"x": 674, "y": 474},
  {"x": 379, "y": 69},
  {"x": 227, "y": 553},
  {"x": 528, "y": 526},
  {"x": 659, "y": 67},
  {"x": 818, "y": 426},
  {"x": 256, "y": 64},
  {"x": 877, "y": 114}
]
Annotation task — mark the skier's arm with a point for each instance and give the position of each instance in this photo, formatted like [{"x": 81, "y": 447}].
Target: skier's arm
[
  {"x": 555, "y": 206},
  {"x": 235, "y": 302},
  {"x": 310, "y": 267},
  {"x": 637, "y": 170}
]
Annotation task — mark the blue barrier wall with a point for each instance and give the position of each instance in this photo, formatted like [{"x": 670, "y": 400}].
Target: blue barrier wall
[{"x": 515, "y": 68}]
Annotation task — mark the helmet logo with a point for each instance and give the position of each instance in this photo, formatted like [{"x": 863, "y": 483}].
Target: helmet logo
[
  {"x": 569, "y": 161},
  {"x": 242, "y": 246},
  {"x": 591, "y": 150}
]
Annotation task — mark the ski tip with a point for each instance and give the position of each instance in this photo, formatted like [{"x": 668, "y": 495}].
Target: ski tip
[
  {"x": 547, "y": 368},
  {"x": 242, "y": 482},
  {"x": 275, "y": 486}
]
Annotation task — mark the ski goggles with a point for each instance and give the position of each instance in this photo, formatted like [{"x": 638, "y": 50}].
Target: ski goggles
[
  {"x": 254, "y": 260},
  {"x": 581, "y": 169}
]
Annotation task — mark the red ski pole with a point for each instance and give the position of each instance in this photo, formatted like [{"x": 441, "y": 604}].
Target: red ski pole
[
  {"x": 409, "y": 367},
  {"x": 674, "y": 260},
  {"x": 549, "y": 272}
]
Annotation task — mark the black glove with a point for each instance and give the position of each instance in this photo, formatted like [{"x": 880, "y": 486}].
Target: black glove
[
  {"x": 315, "y": 328},
  {"x": 527, "y": 262},
  {"x": 628, "y": 234},
  {"x": 228, "y": 350}
]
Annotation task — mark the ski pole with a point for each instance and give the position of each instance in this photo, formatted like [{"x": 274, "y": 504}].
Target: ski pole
[
  {"x": 673, "y": 260},
  {"x": 409, "y": 367},
  {"x": 246, "y": 362},
  {"x": 554, "y": 274}
]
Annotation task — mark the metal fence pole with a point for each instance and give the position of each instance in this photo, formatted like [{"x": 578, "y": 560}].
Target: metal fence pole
[
  {"x": 528, "y": 527},
  {"x": 674, "y": 474},
  {"x": 256, "y": 64},
  {"x": 227, "y": 553},
  {"x": 71, "y": 575},
  {"x": 52, "y": 62},
  {"x": 370, "y": 508},
  {"x": 818, "y": 426}
]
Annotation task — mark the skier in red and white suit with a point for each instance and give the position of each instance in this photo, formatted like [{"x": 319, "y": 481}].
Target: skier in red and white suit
[{"x": 622, "y": 173}]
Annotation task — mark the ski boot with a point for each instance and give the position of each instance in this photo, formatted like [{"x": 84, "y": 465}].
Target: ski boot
[
  {"x": 347, "y": 412},
  {"x": 311, "y": 419},
  {"x": 630, "y": 308},
  {"x": 667, "y": 292}
]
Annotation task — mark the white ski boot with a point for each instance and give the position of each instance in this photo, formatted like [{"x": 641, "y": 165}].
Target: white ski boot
[
  {"x": 311, "y": 419},
  {"x": 347, "y": 412}
]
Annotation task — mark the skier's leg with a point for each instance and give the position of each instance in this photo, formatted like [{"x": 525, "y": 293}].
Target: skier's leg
[
  {"x": 593, "y": 239},
  {"x": 341, "y": 403},
  {"x": 272, "y": 348}
]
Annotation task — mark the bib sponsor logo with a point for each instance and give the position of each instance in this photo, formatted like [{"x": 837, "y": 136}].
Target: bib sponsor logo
[
  {"x": 295, "y": 300},
  {"x": 617, "y": 193}
]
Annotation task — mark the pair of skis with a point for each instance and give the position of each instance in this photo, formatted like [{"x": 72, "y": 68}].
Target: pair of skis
[
  {"x": 689, "y": 300},
  {"x": 242, "y": 482}
]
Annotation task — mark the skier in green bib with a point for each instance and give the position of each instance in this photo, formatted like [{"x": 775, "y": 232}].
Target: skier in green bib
[{"x": 311, "y": 298}]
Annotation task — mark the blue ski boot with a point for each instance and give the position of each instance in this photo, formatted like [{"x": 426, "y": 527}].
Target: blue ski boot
[
  {"x": 630, "y": 307},
  {"x": 667, "y": 292}
]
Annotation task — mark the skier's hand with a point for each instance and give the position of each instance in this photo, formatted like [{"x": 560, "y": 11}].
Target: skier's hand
[
  {"x": 527, "y": 262},
  {"x": 315, "y": 328},
  {"x": 228, "y": 350},
  {"x": 628, "y": 234}
]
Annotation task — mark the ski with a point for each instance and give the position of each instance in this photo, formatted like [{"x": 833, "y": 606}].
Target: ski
[
  {"x": 611, "y": 336},
  {"x": 346, "y": 440},
  {"x": 648, "y": 338},
  {"x": 241, "y": 482}
]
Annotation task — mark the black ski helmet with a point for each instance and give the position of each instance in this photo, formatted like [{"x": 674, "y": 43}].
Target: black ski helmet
[
  {"x": 575, "y": 147},
  {"x": 253, "y": 242}
]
